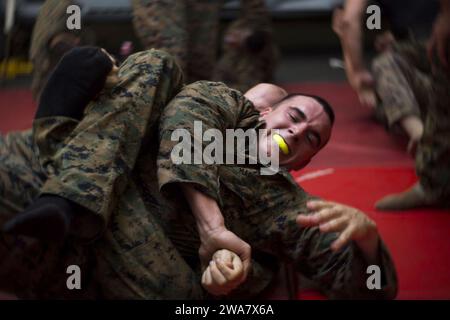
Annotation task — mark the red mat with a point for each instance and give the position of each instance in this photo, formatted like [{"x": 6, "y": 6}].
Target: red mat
[
  {"x": 16, "y": 110},
  {"x": 418, "y": 239},
  {"x": 361, "y": 164}
]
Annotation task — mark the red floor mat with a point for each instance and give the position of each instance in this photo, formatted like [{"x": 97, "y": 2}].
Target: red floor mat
[
  {"x": 16, "y": 110},
  {"x": 418, "y": 239}
]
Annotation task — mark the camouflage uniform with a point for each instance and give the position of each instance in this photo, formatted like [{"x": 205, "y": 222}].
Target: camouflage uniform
[
  {"x": 239, "y": 67},
  {"x": 28, "y": 267},
  {"x": 21, "y": 176},
  {"x": 133, "y": 258},
  {"x": 397, "y": 99},
  {"x": 413, "y": 86},
  {"x": 187, "y": 29},
  {"x": 51, "y": 21},
  {"x": 110, "y": 163}
]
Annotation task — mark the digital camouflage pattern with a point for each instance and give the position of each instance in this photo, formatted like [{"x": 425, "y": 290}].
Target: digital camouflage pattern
[
  {"x": 21, "y": 176},
  {"x": 115, "y": 161},
  {"x": 239, "y": 67},
  {"x": 397, "y": 99},
  {"x": 50, "y": 22},
  {"x": 133, "y": 258},
  {"x": 260, "y": 209},
  {"x": 407, "y": 84},
  {"x": 187, "y": 29},
  {"x": 28, "y": 267}
]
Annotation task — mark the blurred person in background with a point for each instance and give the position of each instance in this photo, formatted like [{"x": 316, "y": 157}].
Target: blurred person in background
[
  {"x": 189, "y": 31},
  {"x": 410, "y": 84}
]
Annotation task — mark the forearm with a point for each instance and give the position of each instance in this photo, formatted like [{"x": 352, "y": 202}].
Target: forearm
[
  {"x": 349, "y": 30},
  {"x": 204, "y": 208},
  {"x": 352, "y": 49}
]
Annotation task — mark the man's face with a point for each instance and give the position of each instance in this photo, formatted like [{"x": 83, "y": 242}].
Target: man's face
[{"x": 303, "y": 124}]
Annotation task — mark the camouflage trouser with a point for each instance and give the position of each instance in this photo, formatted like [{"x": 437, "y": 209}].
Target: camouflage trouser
[
  {"x": 28, "y": 268},
  {"x": 20, "y": 174},
  {"x": 240, "y": 68},
  {"x": 401, "y": 88},
  {"x": 50, "y": 22},
  {"x": 408, "y": 85},
  {"x": 187, "y": 29},
  {"x": 91, "y": 163}
]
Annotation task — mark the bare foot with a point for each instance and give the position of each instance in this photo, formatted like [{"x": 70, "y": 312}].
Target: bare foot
[
  {"x": 413, "y": 127},
  {"x": 412, "y": 145},
  {"x": 413, "y": 197}
]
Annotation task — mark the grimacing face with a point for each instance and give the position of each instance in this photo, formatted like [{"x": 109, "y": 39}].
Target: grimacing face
[{"x": 303, "y": 124}]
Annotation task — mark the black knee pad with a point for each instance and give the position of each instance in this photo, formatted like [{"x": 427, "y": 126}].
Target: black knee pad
[{"x": 77, "y": 79}]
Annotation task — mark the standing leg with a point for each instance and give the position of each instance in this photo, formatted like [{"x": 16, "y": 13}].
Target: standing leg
[
  {"x": 399, "y": 86},
  {"x": 432, "y": 158},
  {"x": 203, "y": 30},
  {"x": 162, "y": 25},
  {"x": 249, "y": 53}
]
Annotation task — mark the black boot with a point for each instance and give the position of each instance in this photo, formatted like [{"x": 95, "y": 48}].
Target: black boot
[
  {"x": 77, "y": 79},
  {"x": 48, "y": 219}
]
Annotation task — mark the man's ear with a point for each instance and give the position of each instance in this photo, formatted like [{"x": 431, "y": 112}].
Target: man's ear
[{"x": 264, "y": 112}]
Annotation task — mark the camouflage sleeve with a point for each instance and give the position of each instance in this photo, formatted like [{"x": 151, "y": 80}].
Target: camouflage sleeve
[{"x": 199, "y": 108}]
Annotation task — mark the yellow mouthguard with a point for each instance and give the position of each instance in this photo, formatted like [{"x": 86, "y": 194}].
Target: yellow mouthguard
[{"x": 281, "y": 143}]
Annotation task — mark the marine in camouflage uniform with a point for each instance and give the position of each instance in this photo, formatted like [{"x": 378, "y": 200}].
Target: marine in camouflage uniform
[
  {"x": 51, "y": 22},
  {"x": 116, "y": 161},
  {"x": 249, "y": 53}
]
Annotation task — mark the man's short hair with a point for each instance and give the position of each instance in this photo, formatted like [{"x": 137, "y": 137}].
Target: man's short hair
[{"x": 324, "y": 103}]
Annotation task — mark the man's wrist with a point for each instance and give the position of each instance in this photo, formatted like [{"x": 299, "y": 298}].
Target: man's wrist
[{"x": 210, "y": 224}]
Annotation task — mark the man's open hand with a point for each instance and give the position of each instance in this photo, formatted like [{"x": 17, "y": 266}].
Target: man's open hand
[
  {"x": 350, "y": 223},
  {"x": 224, "y": 273}
]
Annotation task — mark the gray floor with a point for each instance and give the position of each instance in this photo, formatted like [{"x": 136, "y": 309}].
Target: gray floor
[{"x": 310, "y": 68}]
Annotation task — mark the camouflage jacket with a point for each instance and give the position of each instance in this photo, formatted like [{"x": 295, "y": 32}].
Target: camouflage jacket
[{"x": 261, "y": 209}]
